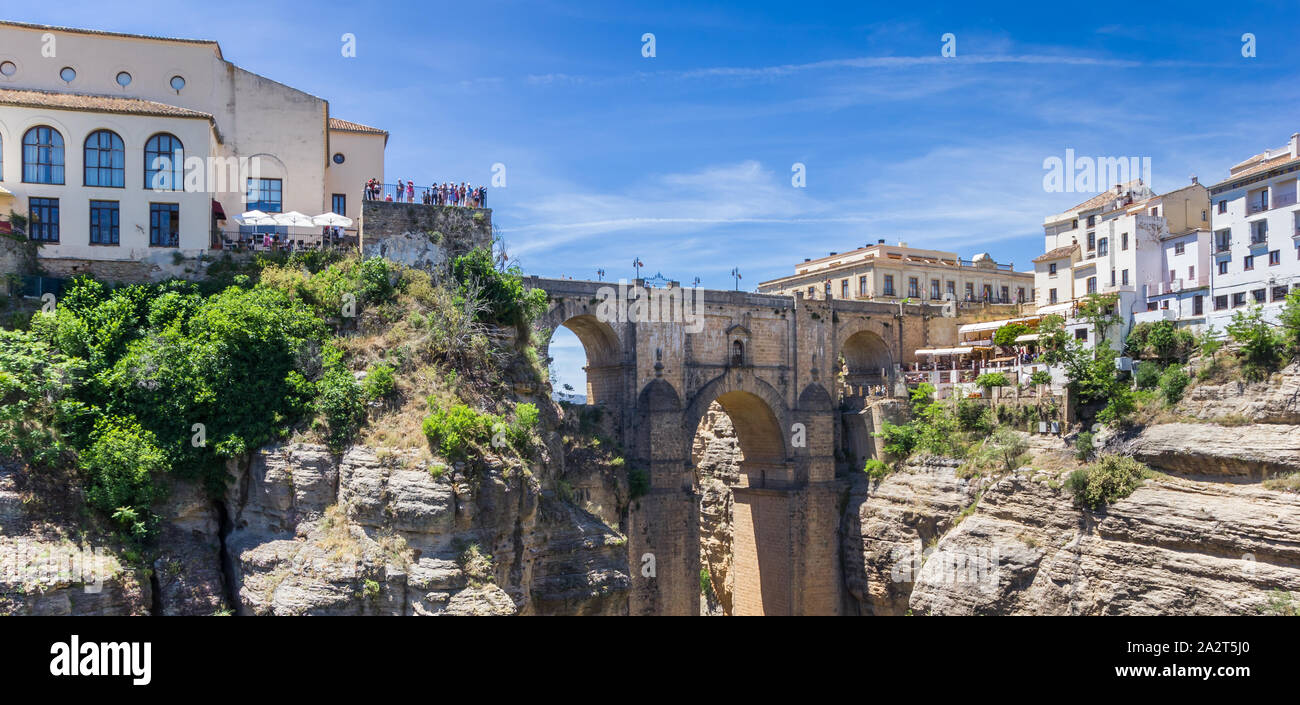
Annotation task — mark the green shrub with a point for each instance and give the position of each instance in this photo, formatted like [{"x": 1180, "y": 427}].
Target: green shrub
[
  {"x": 1261, "y": 346},
  {"x": 922, "y": 396},
  {"x": 120, "y": 465},
  {"x": 503, "y": 292},
  {"x": 638, "y": 482},
  {"x": 526, "y": 418},
  {"x": 973, "y": 415},
  {"x": 1148, "y": 375},
  {"x": 1007, "y": 334},
  {"x": 876, "y": 469},
  {"x": 1040, "y": 377},
  {"x": 379, "y": 382},
  {"x": 1173, "y": 382},
  {"x": 1004, "y": 449},
  {"x": 1083, "y": 445},
  {"x": 1111, "y": 478},
  {"x": 988, "y": 380},
  {"x": 36, "y": 386},
  {"x": 900, "y": 439},
  {"x": 455, "y": 430}
]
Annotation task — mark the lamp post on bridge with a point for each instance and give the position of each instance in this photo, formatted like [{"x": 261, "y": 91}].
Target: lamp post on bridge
[
  {"x": 735, "y": 274},
  {"x": 636, "y": 262},
  {"x": 600, "y": 274}
]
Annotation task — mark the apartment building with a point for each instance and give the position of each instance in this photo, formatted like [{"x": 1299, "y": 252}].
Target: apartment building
[
  {"x": 1150, "y": 250},
  {"x": 1256, "y": 234},
  {"x": 128, "y": 147},
  {"x": 893, "y": 272}
]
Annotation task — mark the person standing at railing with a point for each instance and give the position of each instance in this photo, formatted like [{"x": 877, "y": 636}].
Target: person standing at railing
[
  {"x": 482, "y": 202},
  {"x": 410, "y": 191}
]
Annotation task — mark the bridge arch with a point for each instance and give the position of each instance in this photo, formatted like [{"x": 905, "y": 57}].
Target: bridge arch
[
  {"x": 867, "y": 359},
  {"x": 604, "y": 352},
  {"x": 761, "y": 421}
]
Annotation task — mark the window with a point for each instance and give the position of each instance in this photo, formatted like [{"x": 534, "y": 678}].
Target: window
[
  {"x": 1112, "y": 277},
  {"x": 1274, "y": 258},
  {"x": 1103, "y": 246},
  {"x": 1223, "y": 240},
  {"x": 1051, "y": 296},
  {"x": 828, "y": 291},
  {"x": 339, "y": 203},
  {"x": 177, "y": 83},
  {"x": 987, "y": 291},
  {"x": 8, "y": 68},
  {"x": 1123, "y": 241},
  {"x": 1092, "y": 285},
  {"x": 1258, "y": 232},
  {"x": 1172, "y": 275},
  {"x": 104, "y": 223},
  {"x": 812, "y": 292},
  {"x": 1051, "y": 269},
  {"x": 1220, "y": 302},
  {"x": 952, "y": 290},
  {"x": 1223, "y": 267},
  {"x": 1247, "y": 263},
  {"x": 1124, "y": 277},
  {"x": 1081, "y": 334},
  {"x": 43, "y": 216},
  {"x": 934, "y": 288},
  {"x": 970, "y": 291},
  {"x": 889, "y": 285},
  {"x": 105, "y": 163},
  {"x": 862, "y": 286},
  {"x": 43, "y": 156},
  {"x": 123, "y": 79},
  {"x": 164, "y": 158},
  {"x": 1092, "y": 220},
  {"x": 266, "y": 195},
  {"x": 1020, "y": 294},
  {"x": 913, "y": 288},
  {"x": 1092, "y": 241},
  {"x": 1257, "y": 295},
  {"x": 1151, "y": 306},
  {"x": 844, "y": 289},
  {"x": 1006, "y": 295},
  {"x": 1179, "y": 248},
  {"x": 1165, "y": 304},
  {"x": 1279, "y": 292},
  {"x": 164, "y": 225},
  {"x": 1239, "y": 299},
  {"x": 1191, "y": 274},
  {"x": 1198, "y": 305},
  {"x": 1223, "y": 206},
  {"x": 339, "y": 159},
  {"x": 68, "y": 74}
]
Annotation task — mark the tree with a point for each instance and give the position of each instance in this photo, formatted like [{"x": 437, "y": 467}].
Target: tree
[
  {"x": 1004, "y": 448},
  {"x": 1261, "y": 345},
  {"x": 988, "y": 380},
  {"x": 1290, "y": 321},
  {"x": 1040, "y": 377},
  {"x": 1007, "y": 334}
]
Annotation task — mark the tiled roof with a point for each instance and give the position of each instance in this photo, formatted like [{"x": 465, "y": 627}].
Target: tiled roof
[
  {"x": 1107, "y": 195},
  {"x": 76, "y": 30},
  {"x": 1265, "y": 165},
  {"x": 1058, "y": 253},
  {"x": 94, "y": 103},
  {"x": 337, "y": 124}
]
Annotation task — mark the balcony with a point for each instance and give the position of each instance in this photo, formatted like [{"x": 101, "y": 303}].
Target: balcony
[
  {"x": 1284, "y": 199},
  {"x": 1222, "y": 247},
  {"x": 1174, "y": 286},
  {"x": 1254, "y": 207}
]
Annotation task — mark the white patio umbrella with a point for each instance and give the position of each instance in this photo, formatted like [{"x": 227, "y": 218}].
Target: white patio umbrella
[
  {"x": 255, "y": 218},
  {"x": 293, "y": 219},
  {"x": 332, "y": 220}
]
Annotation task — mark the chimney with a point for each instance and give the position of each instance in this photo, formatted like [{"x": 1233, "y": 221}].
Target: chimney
[
  {"x": 1295, "y": 145},
  {"x": 1194, "y": 180},
  {"x": 881, "y": 241},
  {"x": 833, "y": 254},
  {"x": 807, "y": 259}
]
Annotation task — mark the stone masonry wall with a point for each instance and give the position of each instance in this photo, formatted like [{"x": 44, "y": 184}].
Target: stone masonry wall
[{"x": 423, "y": 236}]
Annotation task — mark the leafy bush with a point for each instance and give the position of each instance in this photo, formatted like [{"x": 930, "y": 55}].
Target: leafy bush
[
  {"x": 1111, "y": 478},
  {"x": 379, "y": 382},
  {"x": 1040, "y": 377},
  {"x": 508, "y": 302},
  {"x": 1261, "y": 345},
  {"x": 526, "y": 418},
  {"x": 36, "y": 384},
  {"x": 989, "y": 380},
  {"x": 119, "y": 465},
  {"x": 455, "y": 430},
  {"x": 341, "y": 401},
  {"x": 900, "y": 439},
  {"x": 922, "y": 396},
  {"x": 1148, "y": 375},
  {"x": 1289, "y": 319},
  {"x": 876, "y": 469},
  {"x": 1173, "y": 382},
  {"x": 638, "y": 482},
  {"x": 1003, "y": 449},
  {"x": 973, "y": 415},
  {"x": 1007, "y": 334},
  {"x": 1083, "y": 445},
  {"x": 1161, "y": 340}
]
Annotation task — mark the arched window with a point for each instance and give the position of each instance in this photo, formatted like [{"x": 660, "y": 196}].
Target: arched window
[
  {"x": 164, "y": 159},
  {"x": 737, "y": 353},
  {"x": 105, "y": 160},
  {"x": 43, "y": 156}
]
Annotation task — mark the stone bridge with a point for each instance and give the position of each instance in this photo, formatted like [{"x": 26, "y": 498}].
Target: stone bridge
[{"x": 791, "y": 374}]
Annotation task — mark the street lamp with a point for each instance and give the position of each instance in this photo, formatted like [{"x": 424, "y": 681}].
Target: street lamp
[
  {"x": 735, "y": 274},
  {"x": 636, "y": 262},
  {"x": 600, "y": 273}
]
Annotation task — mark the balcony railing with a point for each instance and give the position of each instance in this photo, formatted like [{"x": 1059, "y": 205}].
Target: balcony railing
[
  {"x": 1259, "y": 238},
  {"x": 1256, "y": 207},
  {"x": 1282, "y": 200},
  {"x": 234, "y": 241},
  {"x": 428, "y": 195},
  {"x": 1173, "y": 286},
  {"x": 1222, "y": 246}
]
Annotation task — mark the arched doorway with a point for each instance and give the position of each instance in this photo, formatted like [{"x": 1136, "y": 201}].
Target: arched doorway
[
  {"x": 866, "y": 363},
  {"x": 737, "y": 451}
]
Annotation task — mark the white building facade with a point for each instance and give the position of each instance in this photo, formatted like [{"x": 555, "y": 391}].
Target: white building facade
[
  {"x": 126, "y": 147},
  {"x": 1256, "y": 234}
]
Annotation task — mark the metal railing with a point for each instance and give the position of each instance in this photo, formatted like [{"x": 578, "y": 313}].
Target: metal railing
[
  {"x": 426, "y": 195},
  {"x": 234, "y": 241}
]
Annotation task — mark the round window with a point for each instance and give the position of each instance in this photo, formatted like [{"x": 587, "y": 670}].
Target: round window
[
  {"x": 123, "y": 79},
  {"x": 8, "y": 68},
  {"x": 68, "y": 74},
  {"x": 177, "y": 83},
  {"x": 338, "y": 157}
]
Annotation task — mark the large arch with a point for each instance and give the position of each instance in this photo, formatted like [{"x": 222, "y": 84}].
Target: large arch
[
  {"x": 761, "y": 420},
  {"x": 604, "y": 359},
  {"x": 867, "y": 361}
]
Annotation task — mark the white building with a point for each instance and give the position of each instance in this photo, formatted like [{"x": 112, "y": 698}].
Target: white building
[
  {"x": 1130, "y": 242},
  {"x": 127, "y": 147},
  {"x": 1256, "y": 234}
]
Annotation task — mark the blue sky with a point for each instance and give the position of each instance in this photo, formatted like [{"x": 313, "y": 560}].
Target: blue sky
[{"x": 684, "y": 159}]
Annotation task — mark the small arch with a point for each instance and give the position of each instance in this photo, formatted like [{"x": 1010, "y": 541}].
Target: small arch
[
  {"x": 105, "y": 160},
  {"x": 43, "y": 155},
  {"x": 867, "y": 359},
  {"x": 164, "y": 162}
]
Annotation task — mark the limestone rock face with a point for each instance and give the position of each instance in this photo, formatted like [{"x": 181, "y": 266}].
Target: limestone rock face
[
  {"x": 1226, "y": 453},
  {"x": 54, "y": 561},
  {"x": 1175, "y": 546},
  {"x": 1272, "y": 401},
  {"x": 716, "y": 454},
  {"x": 889, "y": 523}
]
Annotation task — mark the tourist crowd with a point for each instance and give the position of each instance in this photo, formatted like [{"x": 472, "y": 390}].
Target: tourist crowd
[{"x": 443, "y": 194}]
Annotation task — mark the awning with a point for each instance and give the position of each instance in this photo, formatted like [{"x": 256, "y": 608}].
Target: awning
[
  {"x": 1027, "y": 338},
  {"x": 945, "y": 351},
  {"x": 217, "y": 211},
  {"x": 993, "y": 325},
  {"x": 1055, "y": 308}
]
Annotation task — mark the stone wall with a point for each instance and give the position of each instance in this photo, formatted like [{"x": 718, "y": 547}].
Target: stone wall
[
  {"x": 15, "y": 258},
  {"x": 423, "y": 236}
]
